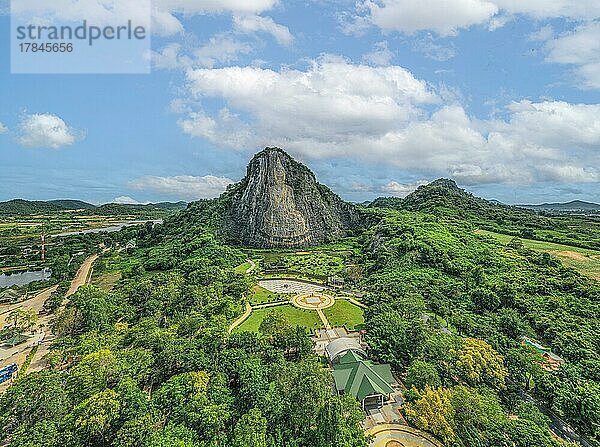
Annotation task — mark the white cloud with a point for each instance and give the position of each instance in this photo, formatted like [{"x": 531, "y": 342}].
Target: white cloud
[
  {"x": 3, "y": 129},
  {"x": 255, "y": 23},
  {"x": 543, "y": 9},
  {"x": 543, "y": 34},
  {"x": 329, "y": 101},
  {"x": 186, "y": 187},
  {"x": 447, "y": 18},
  {"x": 169, "y": 58},
  {"x": 432, "y": 50},
  {"x": 581, "y": 49},
  {"x": 220, "y": 49},
  {"x": 381, "y": 54},
  {"x": 401, "y": 189},
  {"x": 441, "y": 16},
  {"x": 45, "y": 130},
  {"x": 191, "y": 7},
  {"x": 384, "y": 115},
  {"x": 225, "y": 129},
  {"x": 126, "y": 200}
]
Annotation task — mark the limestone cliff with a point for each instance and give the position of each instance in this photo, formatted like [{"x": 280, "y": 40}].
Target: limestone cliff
[{"x": 280, "y": 204}]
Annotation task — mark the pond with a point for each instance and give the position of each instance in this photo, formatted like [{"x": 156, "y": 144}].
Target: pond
[{"x": 24, "y": 278}]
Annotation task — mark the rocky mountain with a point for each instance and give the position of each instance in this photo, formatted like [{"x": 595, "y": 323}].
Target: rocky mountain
[{"x": 278, "y": 204}]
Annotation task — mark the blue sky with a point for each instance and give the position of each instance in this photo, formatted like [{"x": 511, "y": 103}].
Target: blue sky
[{"x": 377, "y": 97}]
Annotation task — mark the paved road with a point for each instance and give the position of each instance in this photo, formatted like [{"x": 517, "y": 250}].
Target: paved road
[{"x": 400, "y": 435}]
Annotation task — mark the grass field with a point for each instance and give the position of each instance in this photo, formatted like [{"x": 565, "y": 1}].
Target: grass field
[
  {"x": 581, "y": 259},
  {"x": 297, "y": 317},
  {"x": 261, "y": 295},
  {"x": 344, "y": 313},
  {"x": 243, "y": 267}
]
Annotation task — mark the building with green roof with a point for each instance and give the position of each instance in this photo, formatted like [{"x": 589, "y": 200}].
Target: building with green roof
[{"x": 367, "y": 381}]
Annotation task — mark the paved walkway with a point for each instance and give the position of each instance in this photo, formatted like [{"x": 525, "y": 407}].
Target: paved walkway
[
  {"x": 252, "y": 266},
  {"x": 323, "y": 319},
  {"x": 355, "y": 302},
  {"x": 273, "y": 304},
  {"x": 241, "y": 319},
  {"x": 313, "y": 301}
]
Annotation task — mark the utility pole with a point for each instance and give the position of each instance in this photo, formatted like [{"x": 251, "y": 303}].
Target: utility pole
[{"x": 43, "y": 246}]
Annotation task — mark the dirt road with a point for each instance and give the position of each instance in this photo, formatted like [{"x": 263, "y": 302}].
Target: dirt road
[{"x": 81, "y": 278}]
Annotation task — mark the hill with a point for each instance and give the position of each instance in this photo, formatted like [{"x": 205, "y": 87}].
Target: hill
[
  {"x": 26, "y": 207},
  {"x": 444, "y": 199},
  {"x": 72, "y": 204}
]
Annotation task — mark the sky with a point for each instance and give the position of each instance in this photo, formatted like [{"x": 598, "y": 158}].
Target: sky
[{"x": 377, "y": 97}]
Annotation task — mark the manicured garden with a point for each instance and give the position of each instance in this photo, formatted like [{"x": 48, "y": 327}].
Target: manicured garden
[
  {"x": 260, "y": 295},
  {"x": 297, "y": 317},
  {"x": 344, "y": 313}
]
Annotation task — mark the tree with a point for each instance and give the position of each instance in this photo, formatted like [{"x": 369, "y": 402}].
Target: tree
[
  {"x": 581, "y": 403},
  {"x": 485, "y": 299},
  {"x": 340, "y": 423},
  {"x": 420, "y": 374},
  {"x": 433, "y": 412},
  {"x": 39, "y": 396},
  {"x": 394, "y": 339},
  {"x": 23, "y": 320},
  {"x": 93, "y": 417},
  {"x": 276, "y": 328},
  {"x": 90, "y": 308},
  {"x": 477, "y": 363},
  {"x": 251, "y": 430},
  {"x": 92, "y": 374}
]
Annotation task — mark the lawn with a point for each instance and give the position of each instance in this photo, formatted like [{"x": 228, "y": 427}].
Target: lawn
[
  {"x": 581, "y": 259},
  {"x": 260, "y": 295},
  {"x": 344, "y": 313},
  {"x": 242, "y": 268},
  {"x": 297, "y": 317}
]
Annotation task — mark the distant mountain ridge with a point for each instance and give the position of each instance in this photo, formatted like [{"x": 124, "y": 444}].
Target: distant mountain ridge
[
  {"x": 572, "y": 206},
  {"x": 70, "y": 204},
  {"x": 26, "y": 207}
]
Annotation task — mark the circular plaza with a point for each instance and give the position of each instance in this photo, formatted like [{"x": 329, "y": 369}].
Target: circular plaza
[
  {"x": 393, "y": 435},
  {"x": 313, "y": 300}
]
